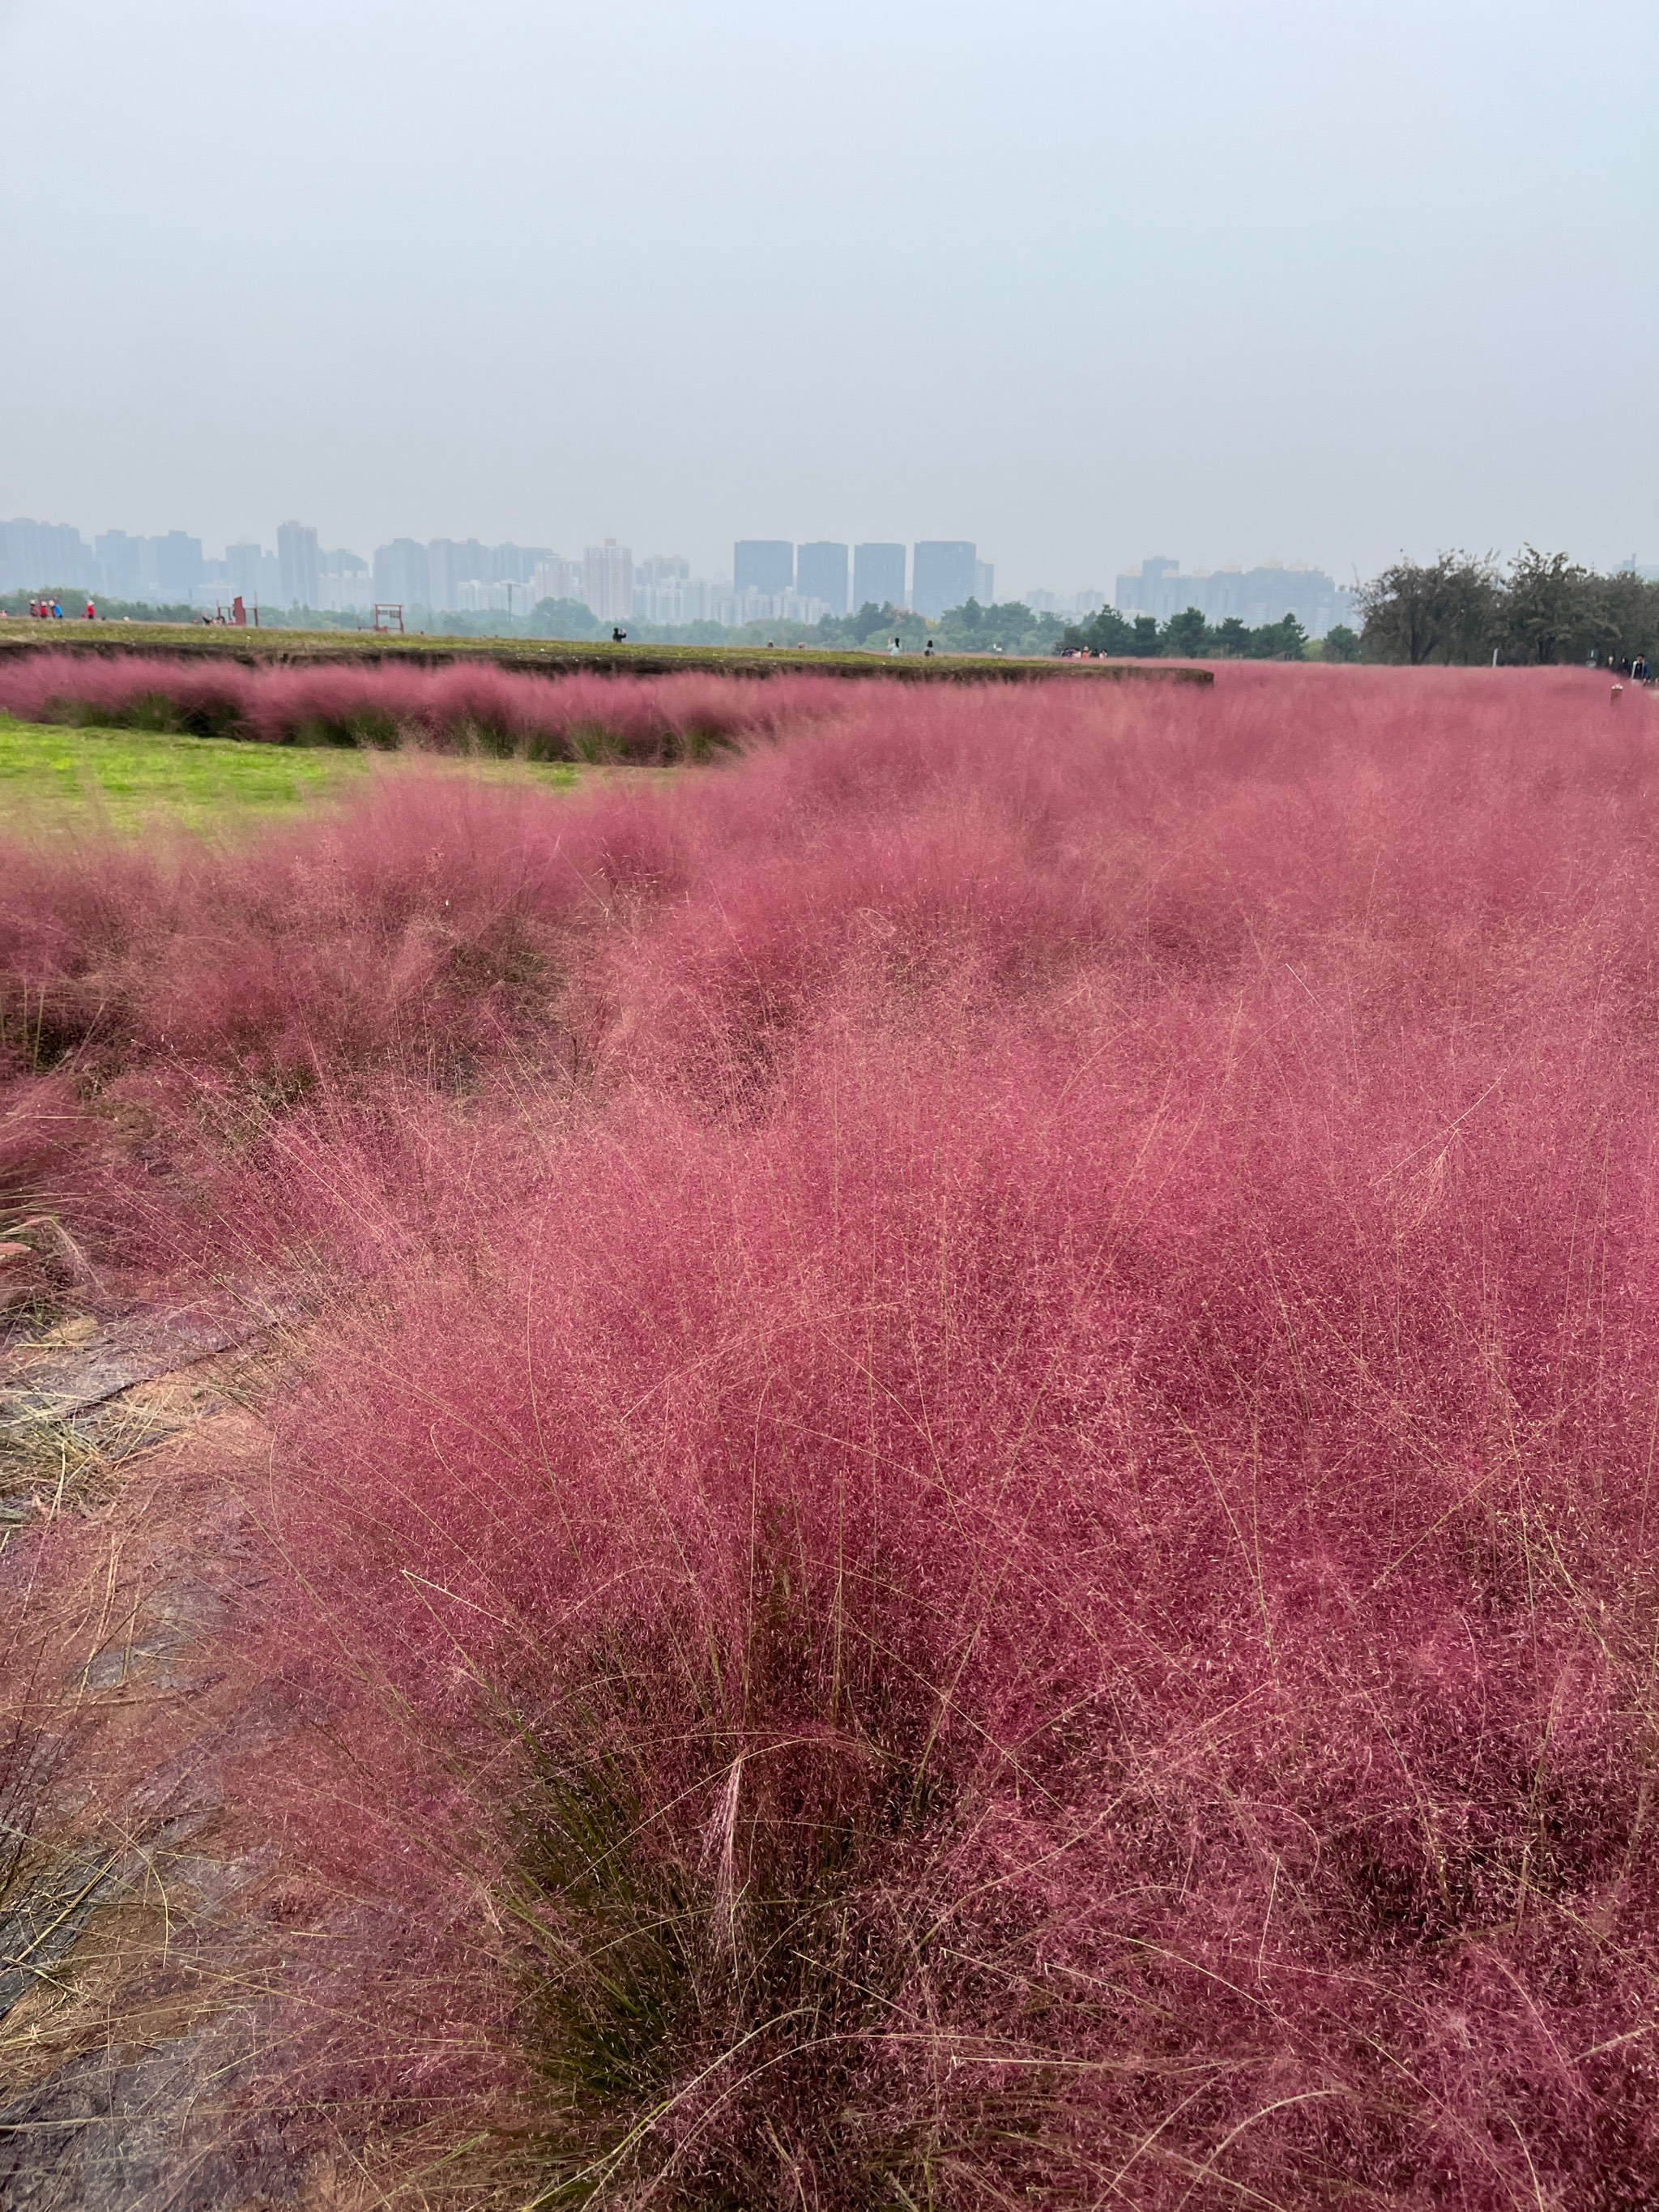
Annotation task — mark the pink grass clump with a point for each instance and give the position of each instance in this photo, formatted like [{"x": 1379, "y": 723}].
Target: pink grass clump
[
  {"x": 166, "y": 1010},
  {"x": 467, "y": 705},
  {"x": 1048, "y": 1583},
  {"x": 975, "y": 1522}
]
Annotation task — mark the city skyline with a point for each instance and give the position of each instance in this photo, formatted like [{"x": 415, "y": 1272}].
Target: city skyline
[{"x": 806, "y": 578}]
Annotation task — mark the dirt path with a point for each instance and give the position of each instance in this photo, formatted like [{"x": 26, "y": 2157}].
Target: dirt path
[{"x": 144, "y": 1914}]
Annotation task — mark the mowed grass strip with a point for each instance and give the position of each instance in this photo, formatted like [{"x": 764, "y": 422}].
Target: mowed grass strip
[
  {"x": 439, "y": 648},
  {"x": 54, "y": 774}
]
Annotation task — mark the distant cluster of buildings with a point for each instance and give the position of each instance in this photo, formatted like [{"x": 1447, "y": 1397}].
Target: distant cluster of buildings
[
  {"x": 772, "y": 579},
  {"x": 938, "y": 574},
  {"x": 450, "y": 575},
  {"x": 48, "y": 555},
  {"x": 1256, "y": 597}
]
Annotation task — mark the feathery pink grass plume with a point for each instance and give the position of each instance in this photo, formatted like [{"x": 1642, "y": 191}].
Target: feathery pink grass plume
[
  {"x": 465, "y": 707},
  {"x": 983, "y": 1526}
]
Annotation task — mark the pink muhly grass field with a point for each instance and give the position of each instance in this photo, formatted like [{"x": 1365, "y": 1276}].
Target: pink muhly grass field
[
  {"x": 974, "y": 1523},
  {"x": 463, "y": 708}
]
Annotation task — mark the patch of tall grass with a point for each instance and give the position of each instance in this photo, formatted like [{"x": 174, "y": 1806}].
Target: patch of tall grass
[
  {"x": 974, "y": 1524},
  {"x": 465, "y": 707}
]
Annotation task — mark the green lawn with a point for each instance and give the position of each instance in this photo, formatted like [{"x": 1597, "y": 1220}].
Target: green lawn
[
  {"x": 52, "y": 774},
  {"x": 197, "y": 643}
]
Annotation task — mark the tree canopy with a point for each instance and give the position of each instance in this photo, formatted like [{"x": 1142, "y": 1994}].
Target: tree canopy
[
  {"x": 1544, "y": 609},
  {"x": 1186, "y": 636}
]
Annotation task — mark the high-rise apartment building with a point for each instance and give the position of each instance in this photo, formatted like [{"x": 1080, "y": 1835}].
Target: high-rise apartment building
[
  {"x": 1143, "y": 594},
  {"x": 121, "y": 565},
  {"x": 660, "y": 584},
  {"x": 454, "y": 561},
  {"x": 985, "y": 583},
  {"x": 662, "y": 569},
  {"x": 878, "y": 576},
  {"x": 511, "y": 564},
  {"x": 820, "y": 574},
  {"x": 608, "y": 580},
  {"x": 344, "y": 582},
  {"x": 447, "y": 571},
  {"x": 244, "y": 572},
  {"x": 700, "y": 598},
  {"x": 177, "y": 559},
  {"x": 451, "y": 562},
  {"x": 762, "y": 564},
  {"x": 554, "y": 579},
  {"x": 44, "y": 556},
  {"x": 942, "y": 575},
  {"x": 297, "y": 556},
  {"x": 403, "y": 577},
  {"x": 660, "y": 603}
]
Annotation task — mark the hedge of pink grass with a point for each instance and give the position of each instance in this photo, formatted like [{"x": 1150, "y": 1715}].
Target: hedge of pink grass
[
  {"x": 465, "y": 707},
  {"x": 997, "y": 1543},
  {"x": 1099, "y": 1621}
]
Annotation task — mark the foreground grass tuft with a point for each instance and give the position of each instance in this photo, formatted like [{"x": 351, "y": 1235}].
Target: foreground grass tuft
[{"x": 971, "y": 1520}]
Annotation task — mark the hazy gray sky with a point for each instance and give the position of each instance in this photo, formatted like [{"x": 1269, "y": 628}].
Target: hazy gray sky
[{"x": 1233, "y": 280}]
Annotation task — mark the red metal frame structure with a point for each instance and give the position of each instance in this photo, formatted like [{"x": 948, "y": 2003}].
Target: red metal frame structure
[{"x": 389, "y": 615}]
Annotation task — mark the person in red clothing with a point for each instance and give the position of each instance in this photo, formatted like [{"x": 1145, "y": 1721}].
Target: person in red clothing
[{"x": 91, "y": 614}]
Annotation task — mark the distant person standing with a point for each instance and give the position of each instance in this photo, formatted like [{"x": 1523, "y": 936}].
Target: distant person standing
[
  {"x": 56, "y": 610},
  {"x": 1638, "y": 668},
  {"x": 893, "y": 648},
  {"x": 927, "y": 652},
  {"x": 91, "y": 614}
]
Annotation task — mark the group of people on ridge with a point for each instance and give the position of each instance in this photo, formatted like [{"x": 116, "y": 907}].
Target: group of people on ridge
[{"x": 52, "y": 611}]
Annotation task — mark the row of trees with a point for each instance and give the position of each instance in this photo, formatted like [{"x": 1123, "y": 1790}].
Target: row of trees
[
  {"x": 1543, "y": 608},
  {"x": 1188, "y": 636}
]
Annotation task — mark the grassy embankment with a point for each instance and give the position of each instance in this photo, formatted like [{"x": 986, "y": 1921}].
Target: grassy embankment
[{"x": 565, "y": 655}]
